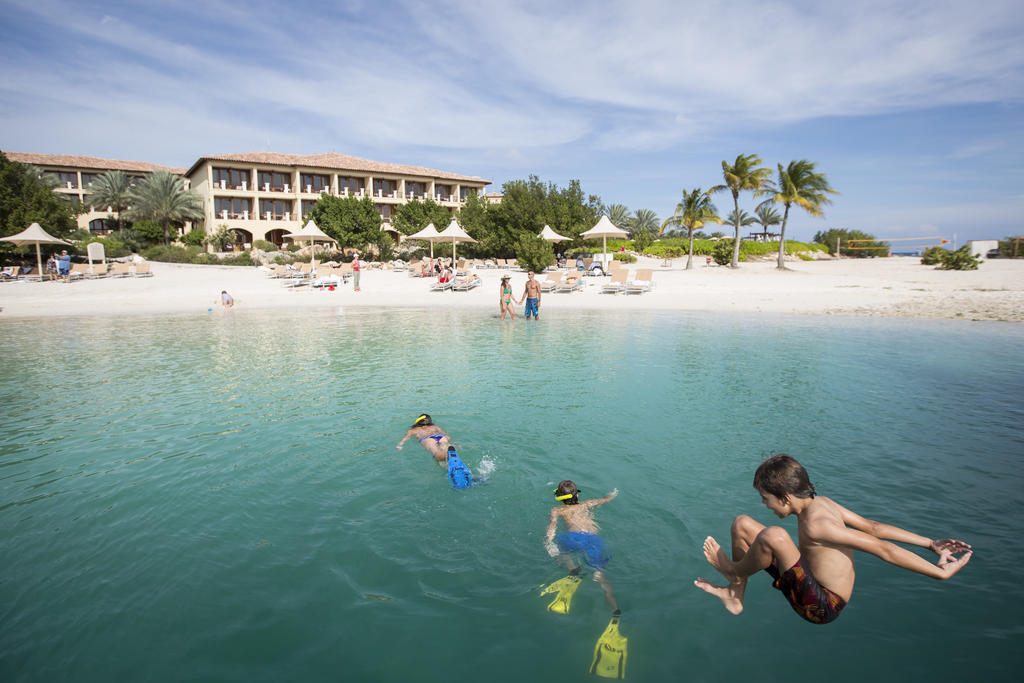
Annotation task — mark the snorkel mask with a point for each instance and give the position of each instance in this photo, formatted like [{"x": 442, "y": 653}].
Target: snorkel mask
[{"x": 566, "y": 496}]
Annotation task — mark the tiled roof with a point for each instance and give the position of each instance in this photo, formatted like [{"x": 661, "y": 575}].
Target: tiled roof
[
  {"x": 72, "y": 161},
  {"x": 335, "y": 162}
]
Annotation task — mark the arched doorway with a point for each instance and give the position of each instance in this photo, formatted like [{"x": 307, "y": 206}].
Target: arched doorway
[
  {"x": 276, "y": 236},
  {"x": 242, "y": 239}
]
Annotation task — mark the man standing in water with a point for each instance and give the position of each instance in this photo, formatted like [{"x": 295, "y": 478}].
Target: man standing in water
[
  {"x": 532, "y": 296},
  {"x": 816, "y": 577}
]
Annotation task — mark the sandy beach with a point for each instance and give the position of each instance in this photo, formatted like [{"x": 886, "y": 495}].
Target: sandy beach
[{"x": 887, "y": 287}]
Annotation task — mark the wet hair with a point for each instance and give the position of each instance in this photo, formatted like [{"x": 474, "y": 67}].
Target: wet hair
[
  {"x": 781, "y": 475},
  {"x": 422, "y": 421},
  {"x": 568, "y": 487}
]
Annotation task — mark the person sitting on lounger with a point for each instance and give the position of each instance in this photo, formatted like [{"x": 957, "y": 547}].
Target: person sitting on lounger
[{"x": 430, "y": 436}]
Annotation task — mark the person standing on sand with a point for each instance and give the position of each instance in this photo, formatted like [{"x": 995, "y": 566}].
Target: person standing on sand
[
  {"x": 816, "y": 576},
  {"x": 505, "y": 298},
  {"x": 531, "y": 294},
  {"x": 64, "y": 265},
  {"x": 356, "y": 265}
]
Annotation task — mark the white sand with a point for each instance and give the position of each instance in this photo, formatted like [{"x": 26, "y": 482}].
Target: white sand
[{"x": 893, "y": 287}]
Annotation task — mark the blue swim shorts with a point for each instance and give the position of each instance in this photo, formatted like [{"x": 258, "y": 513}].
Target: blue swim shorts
[
  {"x": 531, "y": 305},
  {"x": 590, "y": 545}
]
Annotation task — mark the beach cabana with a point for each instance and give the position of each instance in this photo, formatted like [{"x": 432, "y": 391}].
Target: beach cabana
[
  {"x": 312, "y": 234},
  {"x": 455, "y": 234},
  {"x": 428, "y": 234},
  {"x": 604, "y": 229},
  {"x": 34, "y": 234}
]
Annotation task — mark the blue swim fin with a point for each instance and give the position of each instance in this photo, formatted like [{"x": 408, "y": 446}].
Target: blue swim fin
[{"x": 458, "y": 474}]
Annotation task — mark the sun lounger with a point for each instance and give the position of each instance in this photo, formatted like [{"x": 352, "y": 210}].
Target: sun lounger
[
  {"x": 8, "y": 274},
  {"x": 617, "y": 283},
  {"x": 464, "y": 284},
  {"x": 441, "y": 286},
  {"x": 643, "y": 282},
  {"x": 79, "y": 271},
  {"x": 30, "y": 274},
  {"x": 143, "y": 270},
  {"x": 573, "y": 282},
  {"x": 98, "y": 270},
  {"x": 552, "y": 280},
  {"x": 119, "y": 270}
]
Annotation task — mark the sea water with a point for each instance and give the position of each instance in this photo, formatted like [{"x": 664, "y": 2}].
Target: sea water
[{"x": 218, "y": 497}]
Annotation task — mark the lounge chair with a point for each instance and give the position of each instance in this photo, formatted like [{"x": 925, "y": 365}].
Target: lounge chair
[
  {"x": 552, "y": 281},
  {"x": 119, "y": 270},
  {"x": 8, "y": 274},
  {"x": 98, "y": 270},
  {"x": 643, "y": 282},
  {"x": 617, "y": 283},
  {"x": 30, "y": 274},
  {"x": 142, "y": 270},
  {"x": 79, "y": 271},
  {"x": 441, "y": 286},
  {"x": 573, "y": 282},
  {"x": 464, "y": 284}
]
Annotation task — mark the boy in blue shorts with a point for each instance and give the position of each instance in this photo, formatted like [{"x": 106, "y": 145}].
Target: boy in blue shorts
[{"x": 581, "y": 535}]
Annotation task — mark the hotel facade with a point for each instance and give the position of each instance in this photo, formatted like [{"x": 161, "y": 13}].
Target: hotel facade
[{"x": 264, "y": 195}]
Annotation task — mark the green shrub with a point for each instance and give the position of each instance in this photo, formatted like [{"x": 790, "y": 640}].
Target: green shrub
[
  {"x": 194, "y": 237},
  {"x": 282, "y": 260},
  {"x": 149, "y": 232},
  {"x": 933, "y": 255},
  {"x": 961, "y": 259},
  {"x": 221, "y": 235},
  {"x": 722, "y": 252},
  {"x": 239, "y": 259},
  {"x": 171, "y": 254},
  {"x": 804, "y": 257},
  {"x": 625, "y": 257},
  {"x": 264, "y": 245},
  {"x": 205, "y": 259},
  {"x": 293, "y": 247},
  {"x": 534, "y": 253},
  {"x": 112, "y": 248}
]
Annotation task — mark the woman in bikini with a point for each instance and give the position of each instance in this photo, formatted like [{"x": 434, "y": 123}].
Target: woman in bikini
[
  {"x": 505, "y": 298},
  {"x": 431, "y": 437}
]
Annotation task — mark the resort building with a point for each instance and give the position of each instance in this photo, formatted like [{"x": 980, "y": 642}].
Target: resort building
[
  {"x": 75, "y": 174},
  {"x": 264, "y": 195}
]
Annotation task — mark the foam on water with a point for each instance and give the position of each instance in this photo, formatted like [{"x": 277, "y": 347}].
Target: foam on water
[{"x": 220, "y": 497}]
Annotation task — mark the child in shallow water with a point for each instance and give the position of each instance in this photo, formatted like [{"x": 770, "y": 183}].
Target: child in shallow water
[
  {"x": 581, "y": 535},
  {"x": 817, "y": 576},
  {"x": 430, "y": 436}
]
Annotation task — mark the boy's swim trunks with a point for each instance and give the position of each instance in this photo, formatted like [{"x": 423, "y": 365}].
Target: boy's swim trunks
[
  {"x": 590, "y": 545},
  {"x": 809, "y": 599}
]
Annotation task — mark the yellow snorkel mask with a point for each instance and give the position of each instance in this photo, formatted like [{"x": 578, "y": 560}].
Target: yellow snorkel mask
[{"x": 566, "y": 496}]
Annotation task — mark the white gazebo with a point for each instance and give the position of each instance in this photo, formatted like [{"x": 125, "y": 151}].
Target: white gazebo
[{"x": 604, "y": 229}]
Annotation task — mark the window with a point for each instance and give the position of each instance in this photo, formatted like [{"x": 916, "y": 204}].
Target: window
[
  {"x": 274, "y": 180},
  {"x": 465, "y": 192},
  {"x": 307, "y": 206},
  {"x": 66, "y": 179},
  {"x": 277, "y": 208},
  {"x": 236, "y": 207},
  {"x": 353, "y": 184},
  {"x": 314, "y": 182},
  {"x": 134, "y": 180},
  {"x": 99, "y": 225},
  {"x": 413, "y": 190},
  {"x": 386, "y": 211},
  {"x": 384, "y": 187},
  {"x": 444, "y": 191},
  {"x": 232, "y": 178},
  {"x": 73, "y": 199},
  {"x": 87, "y": 178}
]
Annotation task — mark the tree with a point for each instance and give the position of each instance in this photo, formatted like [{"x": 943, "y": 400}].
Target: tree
[
  {"x": 643, "y": 221},
  {"x": 351, "y": 221},
  {"x": 800, "y": 185},
  {"x": 534, "y": 253},
  {"x": 693, "y": 212},
  {"x": 744, "y": 219},
  {"x": 867, "y": 245},
  {"x": 26, "y": 197},
  {"x": 161, "y": 196},
  {"x": 414, "y": 215},
  {"x": 618, "y": 214},
  {"x": 529, "y": 205},
  {"x": 744, "y": 175},
  {"x": 111, "y": 189},
  {"x": 766, "y": 216}
]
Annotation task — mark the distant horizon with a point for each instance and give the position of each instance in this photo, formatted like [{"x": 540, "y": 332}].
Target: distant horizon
[{"x": 915, "y": 112}]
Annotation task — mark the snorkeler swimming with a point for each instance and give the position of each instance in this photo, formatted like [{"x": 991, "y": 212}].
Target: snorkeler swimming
[{"x": 430, "y": 436}]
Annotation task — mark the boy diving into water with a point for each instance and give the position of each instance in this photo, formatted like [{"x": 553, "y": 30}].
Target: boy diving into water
[
  {"x": 816, "y": 577},
  {"x": 581, "y": 536}
]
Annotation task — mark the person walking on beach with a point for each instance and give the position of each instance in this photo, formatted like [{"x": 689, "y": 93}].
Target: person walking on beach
[
  {"x": 581, "y": 535},
  {"x": 356, "y": 265},
  {"x": 64, "y": 265},
  {"x": 531, "y": 294},
  {"x": 505, "y": 298},
  {"x": 430, "y": 436},
  {"x": 816, "y": 576}
]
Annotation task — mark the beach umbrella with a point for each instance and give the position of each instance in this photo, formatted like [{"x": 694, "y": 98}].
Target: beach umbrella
[
  {"x": 604, "y": 229},
  {"x": 428, "y": 234},
  {"x": 552, "y": 236},
  {"x": 34, "y": 234},
  {"x": 312, "y": 234},
  {"x": 456, "y": 234}
]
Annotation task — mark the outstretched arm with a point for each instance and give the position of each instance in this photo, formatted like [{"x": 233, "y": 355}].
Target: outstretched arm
[
  {"x": 943, "y": 547},
  {"x": 404, "y": 438},
  {"x": 602, "y": 501},
  {"x": 549, "y": 537}
]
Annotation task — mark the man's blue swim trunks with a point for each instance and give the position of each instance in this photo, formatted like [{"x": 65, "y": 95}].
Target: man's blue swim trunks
[
  {"x": 590, "y": 545},
  {"x": 531, "y": 307}
]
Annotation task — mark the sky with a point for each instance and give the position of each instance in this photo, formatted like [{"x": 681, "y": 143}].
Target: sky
[{"x": 914, "y": 109}]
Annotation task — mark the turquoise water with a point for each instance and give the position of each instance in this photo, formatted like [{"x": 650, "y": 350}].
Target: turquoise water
[{"x": 219, "y": 497}]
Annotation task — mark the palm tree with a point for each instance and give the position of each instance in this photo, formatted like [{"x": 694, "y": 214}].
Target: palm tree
[
  {"x": 766, "y": 216},
  {"x": 162, "y": 197},
  {"x": 644, "y": 220},
  {"x": 800, "y": 185},
  {"x": 743, "y": 220},
  {"x": 618, "y": 214},
  {"x": 113, "y": 190},
  {"x": 744, "y": 175},
  {"x": 693, "y": 212}
]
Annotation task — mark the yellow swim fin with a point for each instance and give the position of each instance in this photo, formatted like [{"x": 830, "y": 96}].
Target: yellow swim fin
[
  {"x": 610, "y": 652},
  {"x": 565, "y": 588}
]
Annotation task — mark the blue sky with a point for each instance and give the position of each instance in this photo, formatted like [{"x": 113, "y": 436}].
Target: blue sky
[{"x": 913, "y": 109}]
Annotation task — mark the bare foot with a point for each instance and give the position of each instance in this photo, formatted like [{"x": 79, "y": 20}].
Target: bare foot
[
  {"x": 731, "y": 595},
  {"x": 717, "y": 558}
]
